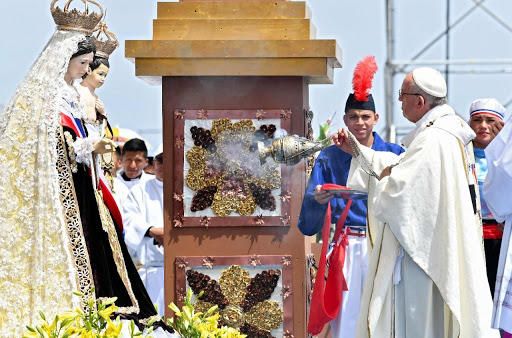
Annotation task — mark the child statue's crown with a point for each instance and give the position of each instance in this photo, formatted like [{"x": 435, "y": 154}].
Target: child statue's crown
[{"x": 105, "y": 41}]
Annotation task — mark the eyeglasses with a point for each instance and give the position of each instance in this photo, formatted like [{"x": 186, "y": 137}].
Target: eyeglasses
[{"x": 401, "y": 93}]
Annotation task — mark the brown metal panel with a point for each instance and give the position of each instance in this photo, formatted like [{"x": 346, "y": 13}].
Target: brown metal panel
[{"x": 239, "y": 93}]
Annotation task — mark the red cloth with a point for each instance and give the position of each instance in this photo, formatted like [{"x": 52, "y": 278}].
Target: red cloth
[
  {"x": 111, "y": 204},
  {"x": 492, "y": 230},
  {"x": 505, "y": 334},
  {"x": 328, "y": 294}
]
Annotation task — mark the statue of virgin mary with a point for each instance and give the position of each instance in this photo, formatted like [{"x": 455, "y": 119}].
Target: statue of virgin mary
[{"x": 60, "y": 230}]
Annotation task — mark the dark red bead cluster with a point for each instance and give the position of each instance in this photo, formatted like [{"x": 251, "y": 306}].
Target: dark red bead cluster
[
  {"x": 203, "y": 138},
  {"x": 254, "y": 332},
  {"x": 261, "y": 135},
  {"x": 263, "y": 197},
  {"x": 261, "y": 288},
  {"x": 203, "y": 198},
  {"x": 212, "y": 292},
  {"x": 268, "y": 130}
]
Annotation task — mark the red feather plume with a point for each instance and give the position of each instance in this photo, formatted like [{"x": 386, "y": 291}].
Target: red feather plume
[{"x": 363, "y": 77}]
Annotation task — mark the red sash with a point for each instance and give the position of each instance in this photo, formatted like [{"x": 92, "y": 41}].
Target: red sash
[
  {"x": 492, "y": 230},
  {"x": 328, "y": 294},
  {"x": 67, "y": 120}
]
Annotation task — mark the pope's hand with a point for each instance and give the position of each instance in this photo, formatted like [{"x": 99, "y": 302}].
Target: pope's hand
[
  {"x": 104, "y": 145},
  {"x": 322, "y": 196},
  {"x": 386, "y": 172},
  {"x": 340, "y": 140}
]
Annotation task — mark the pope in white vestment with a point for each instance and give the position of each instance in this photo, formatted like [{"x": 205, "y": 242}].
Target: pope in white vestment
[
  {"x": 498, "y": 187},
  {"x": 142, "y": 210},
  {"x": 426, "y": 274}
]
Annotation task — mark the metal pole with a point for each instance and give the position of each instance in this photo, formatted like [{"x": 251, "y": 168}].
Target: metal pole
[
  {"x": 389, "y": 72},
  {"x": 447, "y": 48}
]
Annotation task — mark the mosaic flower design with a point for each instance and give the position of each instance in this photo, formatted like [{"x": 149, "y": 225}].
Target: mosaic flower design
[
  {"x": 225, "y": 171},
  {"x": 244, "y": 302}
]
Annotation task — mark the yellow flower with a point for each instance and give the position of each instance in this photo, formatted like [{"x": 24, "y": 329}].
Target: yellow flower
[
  {"x": 107, "y": 312},
  {"x": 113, "y": 330},
  {"x": 31, "y": 333}
]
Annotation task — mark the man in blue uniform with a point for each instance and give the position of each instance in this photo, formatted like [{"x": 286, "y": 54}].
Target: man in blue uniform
[{"x": 332, "y": 166}]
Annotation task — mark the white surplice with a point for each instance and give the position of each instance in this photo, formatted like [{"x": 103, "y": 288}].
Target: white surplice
[
  {"x": 498, "y": 188},
  {"x": 122, "y": 187},
  {"x": 143, "y": 208},
  {"x": 426, "y": 272}
]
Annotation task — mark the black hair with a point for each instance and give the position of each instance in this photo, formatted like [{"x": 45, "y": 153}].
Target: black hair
[
  {"x": 98, "y": 61},
  {"x": 85, "y": 46},
  {"x": 118, "y": 151},
  {"x": 135, "y": 145},
  {"x": 159, "y": 158}
]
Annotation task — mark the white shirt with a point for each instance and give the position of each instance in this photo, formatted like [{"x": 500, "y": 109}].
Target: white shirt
[
  {"x": 143, "y": 208},
  {"x": 122, "y": 187}
]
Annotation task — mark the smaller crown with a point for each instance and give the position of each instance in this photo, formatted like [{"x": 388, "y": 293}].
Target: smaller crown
[
  {"x": 104, "y": 40},
  {"x": 74, "y": 19}
]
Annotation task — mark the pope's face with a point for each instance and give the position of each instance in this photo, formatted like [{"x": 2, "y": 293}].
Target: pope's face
[
  {"x": 79, "y": 65},
  {"x": 97, "y": 77},
  {"x": 411, "y": 100},
  {"x": 481, "y": 125},
  {"x": 360, "y": 122}
]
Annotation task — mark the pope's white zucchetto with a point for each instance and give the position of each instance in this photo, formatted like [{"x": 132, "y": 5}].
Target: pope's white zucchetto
[{"x": 430, "y": 81}]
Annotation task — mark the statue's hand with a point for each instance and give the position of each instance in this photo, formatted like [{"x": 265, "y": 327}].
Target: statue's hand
[
  {"x": 100, "y": 107},
  {"x": 104, "y": 146},
  {"x": 340, "y": 140}
]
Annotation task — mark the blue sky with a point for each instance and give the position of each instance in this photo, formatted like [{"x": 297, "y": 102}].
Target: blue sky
[{"x": 358, "y": 26}]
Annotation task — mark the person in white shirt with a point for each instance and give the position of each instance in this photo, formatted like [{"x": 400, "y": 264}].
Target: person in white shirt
[
  {"x": 144, "y": 232},
  {"x": 133, "y": 160}
]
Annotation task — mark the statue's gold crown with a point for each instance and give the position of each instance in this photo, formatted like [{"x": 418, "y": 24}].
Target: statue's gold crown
[
  {"x": 75, "y": 20},
  {"x": 105, "y": 41}
]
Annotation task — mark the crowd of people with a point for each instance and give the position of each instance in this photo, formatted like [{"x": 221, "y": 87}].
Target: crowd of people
[{"x": 427, "y": 252}]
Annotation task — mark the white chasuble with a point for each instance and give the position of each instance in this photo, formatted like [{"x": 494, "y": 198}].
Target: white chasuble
[{"x": 427, "y": 269}]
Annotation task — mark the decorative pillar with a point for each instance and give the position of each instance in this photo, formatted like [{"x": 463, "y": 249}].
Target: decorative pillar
[{"x": 232, "y": 73}]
